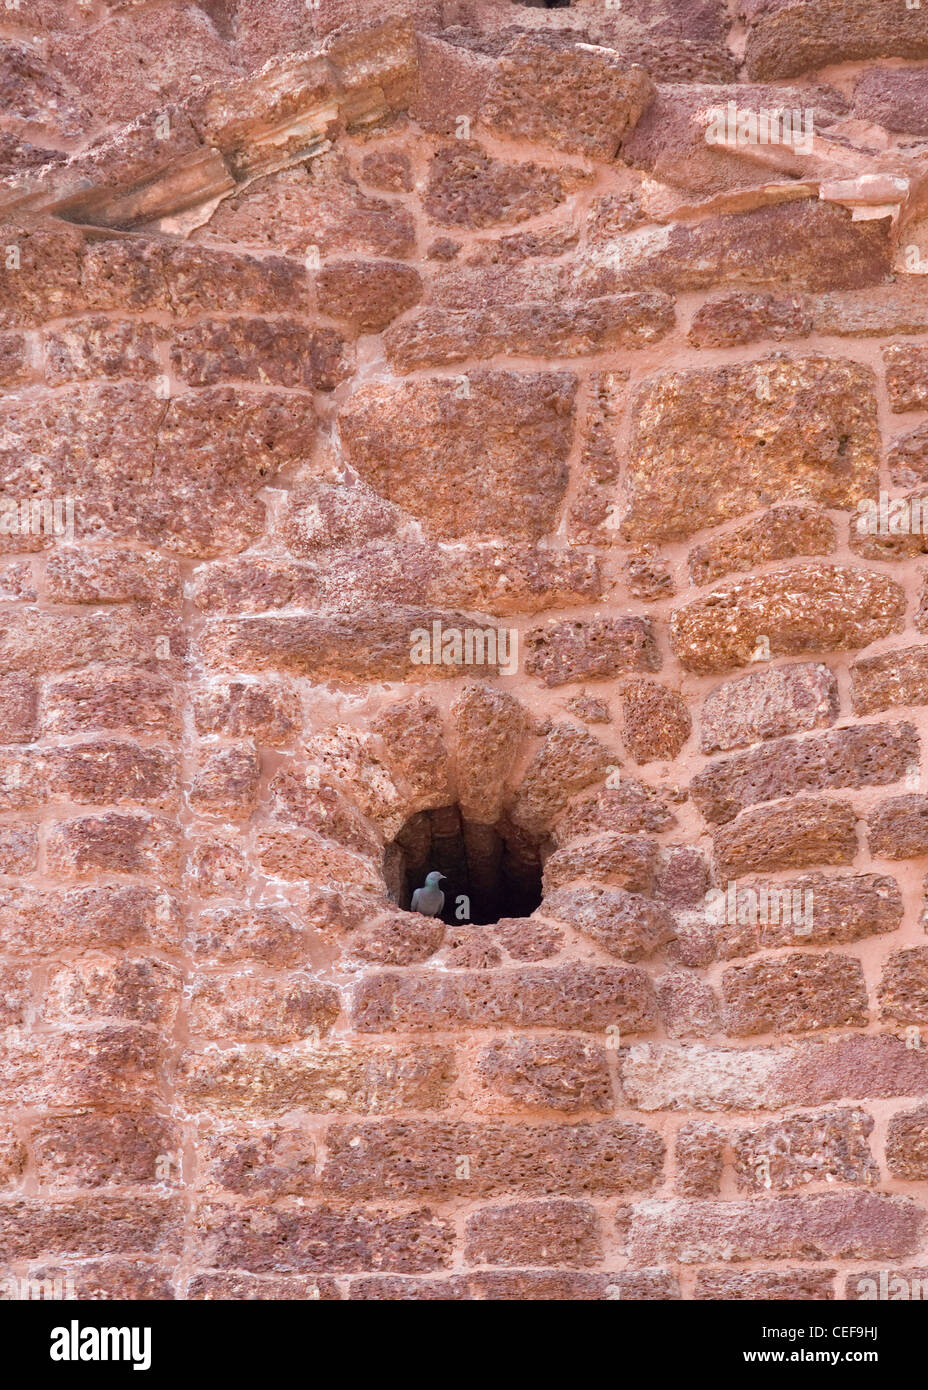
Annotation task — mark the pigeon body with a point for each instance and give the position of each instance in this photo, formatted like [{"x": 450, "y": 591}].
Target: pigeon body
[{"x": 429, "y": 900}]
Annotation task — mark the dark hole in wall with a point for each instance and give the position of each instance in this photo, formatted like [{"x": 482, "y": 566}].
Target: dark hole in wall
[
  {"x": 545, "y": 4},
  {"x": 496, "y": 867}
]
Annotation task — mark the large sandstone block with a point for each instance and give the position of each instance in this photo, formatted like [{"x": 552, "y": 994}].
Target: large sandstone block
[
  {"x": 97, "y": 347},
  {"x": 295, "y": 854},
  {"x": 813, "y": 1072},
  {"x": 92, "y": 1150},
  {"x": 46, "y": 283},
  {"x": 18, "y": 708},
  {"x": 626, "y": 925},
  {"x": 795, "y": 993},
  {"x": 267, "y": 712},
  {"x": 816, "y": 910},
  {"x": 39, "y": 642},
  {"x": 438, "y": 337},
  {"x": 266, "y": 934},
  {"x": 282, "y": 1010},
  {"x": 711, "y": 444},
  {"x": 487, "y": 727},
  {"x": 903, "y": 990},
  {"x": 865, "y": 755},
  {"x": 785, "y": 38},
  {"x": 777, "y": 534},
  {"x": 112, "y": 1064},
  {"x": 315, "y": 205},
  {"x": 587, "y": 997},
  {"x": 113, "y": 842},
  {"x": 907, "y": 1145},
  {"x": 797, "y": 245},
  {"x": 796, "y": 834},
  {"x": 226, "y": 783},
  {"x": 323, "y": 1079},
  {"x": 898, "y": 828},
  {"x": 626, "y": 806},
  {"x": 784, "y": 613},
  {"x": 906, "y": 376},
  {"x": 896, "y": 98},
  {"x": 74, "y": 575},
  {"x": 483, "y": 457},
  {"x": 181, "y": 473},
  {"x": 19, "y": 849},
  {"x": 670, "y": 141},
  {"x": 541, "y": 1233},
  {"x": 569, "y": 759},
  {"x": 556, "y": 1072},
  {"x": 628, "y": 861},
  {"x": 418, "y": 1158},
  {"x": 284, "y": 352},
  {"x": 572, "y": 650},
  {"x": 825, "y": 1226},
  {"x": 572, "y": 97},
  {"x": 656, "y": 721},
  {"x": 777, "y": 701},
  {"x": 110, "y": 698},
  {"x": 367, "y": 294},
  {"x": 113, "y": 771},
  {"x": 402, "y": 938},
  {"x": 469, "y": 188},
  {"x": 375, "y": 643},
  {"x": 278, "y": 1161},
  {"x": 34, "y": 922},
  {"x": 136, "y": 273},
  {"x": 112, "y": 67},
  {"x": 235, "y": 1285},
  {"x": 140, "y": 990},
  {"x": 765, "y": 1286},
  {"x": 742, "y": 317},
  {"x": 92, "y": 1225},
  {"x": 320, "y": 1238},
  {"x": 889, "y": 679},
  {"x": 699, "y": 1154},
  {"x": 893, "y": 308},
  {"x": 522, "y": 1285}
]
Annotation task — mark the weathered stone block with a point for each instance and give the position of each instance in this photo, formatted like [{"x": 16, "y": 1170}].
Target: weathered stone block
[
  {"x": 711, "y": 444},
  {"x": 482, "y": 461},
  {"x": 780, "y": 700},
  {"x": 785, "y": 613}
]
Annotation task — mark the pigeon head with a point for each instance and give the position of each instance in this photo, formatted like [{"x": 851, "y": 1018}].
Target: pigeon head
[{"x": 431, "y": 880}]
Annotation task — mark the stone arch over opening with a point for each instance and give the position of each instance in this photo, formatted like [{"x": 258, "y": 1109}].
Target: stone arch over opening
[{"x": 547, "y": 845}]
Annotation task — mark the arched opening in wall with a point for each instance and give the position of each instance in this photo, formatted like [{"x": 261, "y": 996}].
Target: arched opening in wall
[
  {"x": 491, "y": 871},
  {"x": 545, "y": 4}
]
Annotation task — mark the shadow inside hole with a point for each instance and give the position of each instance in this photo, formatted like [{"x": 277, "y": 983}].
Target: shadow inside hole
[{"x": 496, "y": 868}]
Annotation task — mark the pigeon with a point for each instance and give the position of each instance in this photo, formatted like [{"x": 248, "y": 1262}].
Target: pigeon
[{"x": 429, "y": 900}]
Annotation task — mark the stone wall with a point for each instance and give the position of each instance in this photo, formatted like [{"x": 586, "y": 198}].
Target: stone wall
[{"x": 337, "y": 331}]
